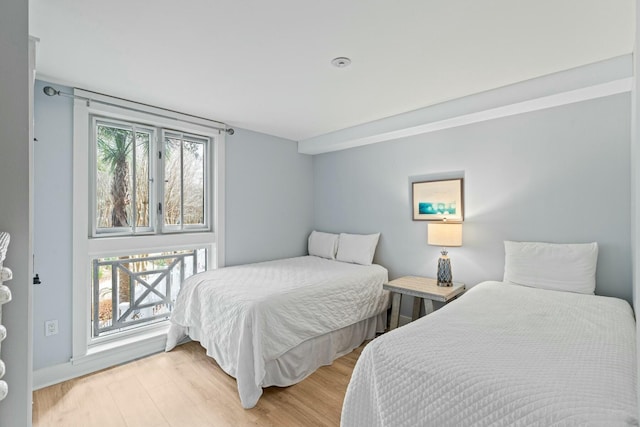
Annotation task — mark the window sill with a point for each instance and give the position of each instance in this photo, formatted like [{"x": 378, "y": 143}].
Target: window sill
[
  {"x": 151, "y": 242},
  {"x": 126, "y": 349}
]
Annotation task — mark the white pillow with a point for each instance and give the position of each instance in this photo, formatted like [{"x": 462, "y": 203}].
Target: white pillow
[
  {"x": 323, "y": 245},
  {"x": 560, "y": 267},
  {"x": 357, "y": 248}
]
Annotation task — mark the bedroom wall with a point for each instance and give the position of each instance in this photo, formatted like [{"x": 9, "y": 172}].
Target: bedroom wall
[
  {"x": 635, "y": 185},
  {"x": 269, "y": 190},
  {"x": 52, "y": 233},
  {"x": 15, "y": 409},
  {"x": 269, "y": 194},
  {"x": 556, "y": 175}
]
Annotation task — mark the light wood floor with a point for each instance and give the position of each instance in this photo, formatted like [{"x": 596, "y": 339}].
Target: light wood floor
[{"x": 185, "y": 388}]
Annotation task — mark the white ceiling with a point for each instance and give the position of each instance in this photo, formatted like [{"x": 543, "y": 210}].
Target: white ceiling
[{"x": 265, "y": 65}]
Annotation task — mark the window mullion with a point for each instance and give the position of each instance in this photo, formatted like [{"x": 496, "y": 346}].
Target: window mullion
[
  {"x": 93, "y": 152},
  {"x": 182, "y": 182},
  {"x": 154, "y": 170},
  {"x": 134, "y": 172},
  {"x": 208, "y": 150},
  {"x": 161, "y": 159}
]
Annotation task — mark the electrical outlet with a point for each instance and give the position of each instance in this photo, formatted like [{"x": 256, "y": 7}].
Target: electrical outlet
[{"x": 50, "y": 327}]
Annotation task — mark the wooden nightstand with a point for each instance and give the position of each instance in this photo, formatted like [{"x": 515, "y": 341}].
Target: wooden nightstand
[{"x": 422, "y": 289}]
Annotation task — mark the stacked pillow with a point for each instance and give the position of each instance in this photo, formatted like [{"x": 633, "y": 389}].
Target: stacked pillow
[
  {"x": 324, "y": 245},
  {"x": 353, "y": 248}
]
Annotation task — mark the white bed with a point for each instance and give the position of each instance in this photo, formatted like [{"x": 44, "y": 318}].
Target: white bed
[
  {"x": 502, "y": 355},
  {"x": 274, "y": 323}
]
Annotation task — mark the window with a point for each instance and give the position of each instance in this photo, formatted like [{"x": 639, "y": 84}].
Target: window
[
  {"x": 141, "y": 289},
  {"x": 148, "y": 213},
  {"x": 185, "y": 172},
  {"x": 123, "y": 177},
  {"x": 128, "y": 181},
  {"x": 143, "y": 187}
]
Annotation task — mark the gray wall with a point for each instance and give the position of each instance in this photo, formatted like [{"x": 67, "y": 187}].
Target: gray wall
[
  {"x": 52, "y": 236},
  {"x": 635, "y": 185},
  {"x": 15, "y": 410},
  {"x": 556, "y": 175},
  {"x": 269, "y": 195},
  {"x": 269, "y": 190}
]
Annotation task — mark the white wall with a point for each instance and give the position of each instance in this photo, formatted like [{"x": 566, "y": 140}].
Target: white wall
[
  {"x": 52, "y": 236},
  {"x": 269, "y": 199},
  {"x": 556, "y": 175},
  {"x": 635, "y": 183},
  {"x": 15, "y": 410},
  {"x": 269, "y": 190}
]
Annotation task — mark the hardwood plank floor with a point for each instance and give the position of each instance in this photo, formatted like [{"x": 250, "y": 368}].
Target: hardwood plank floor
[{"x": 185, "y": 388}]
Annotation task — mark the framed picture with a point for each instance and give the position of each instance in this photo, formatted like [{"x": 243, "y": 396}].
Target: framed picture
[{"x": 437, "y": 200}]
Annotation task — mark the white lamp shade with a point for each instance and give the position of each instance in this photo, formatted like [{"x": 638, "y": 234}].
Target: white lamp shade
[{"x": 444, "y": 234}]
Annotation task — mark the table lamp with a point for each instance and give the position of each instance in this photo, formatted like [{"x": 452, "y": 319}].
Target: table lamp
[{"x": 444, "y": 234}]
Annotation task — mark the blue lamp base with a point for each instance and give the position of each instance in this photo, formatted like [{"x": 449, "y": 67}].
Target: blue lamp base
[{"x": 445, "y": 277}]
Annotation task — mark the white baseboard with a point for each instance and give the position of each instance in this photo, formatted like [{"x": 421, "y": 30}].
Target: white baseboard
[{"x": 98, "y": 360}]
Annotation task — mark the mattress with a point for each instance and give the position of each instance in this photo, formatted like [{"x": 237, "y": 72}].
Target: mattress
[
  {"x": 248, "y": 316},
  {"x": 502, "y": 355}
]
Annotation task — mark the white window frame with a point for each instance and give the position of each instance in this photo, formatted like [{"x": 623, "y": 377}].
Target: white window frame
[
  {"x": 86, "y": 246},
  {"x": 207, "y": 205},
  {"x": 121, "y": 231},
  {"x": 157, "y": 326}
]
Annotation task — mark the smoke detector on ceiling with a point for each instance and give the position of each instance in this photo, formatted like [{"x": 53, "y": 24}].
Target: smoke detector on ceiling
[{"x": 341, "y": 62}]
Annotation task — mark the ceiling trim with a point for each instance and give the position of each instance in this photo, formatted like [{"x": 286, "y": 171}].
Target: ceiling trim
[{"x": 602, "y": 79}]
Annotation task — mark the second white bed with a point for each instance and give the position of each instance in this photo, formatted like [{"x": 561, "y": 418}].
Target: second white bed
[{"x": 502, "y": 355}]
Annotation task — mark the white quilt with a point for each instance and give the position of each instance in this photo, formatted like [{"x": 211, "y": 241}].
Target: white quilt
[
  {"x": 248, "y": 315},
  {"x": 502, "y": 355}
]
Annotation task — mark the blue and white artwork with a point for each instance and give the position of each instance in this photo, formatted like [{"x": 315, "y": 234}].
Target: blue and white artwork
[
  {"x": 437, "y": 208},
  {"x": 438, "y": 200}
]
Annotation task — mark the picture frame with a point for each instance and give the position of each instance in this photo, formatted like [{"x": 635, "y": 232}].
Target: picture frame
[{"x": 438, "y": 200}]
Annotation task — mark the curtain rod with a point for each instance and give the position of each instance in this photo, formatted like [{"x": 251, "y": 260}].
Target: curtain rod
[{"x": 50, "y": 91}]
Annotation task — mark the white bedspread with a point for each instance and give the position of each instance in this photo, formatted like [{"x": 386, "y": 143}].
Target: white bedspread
[
  {"x": 248, "y": 315},
  {"x": 502, "y": 355}
]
